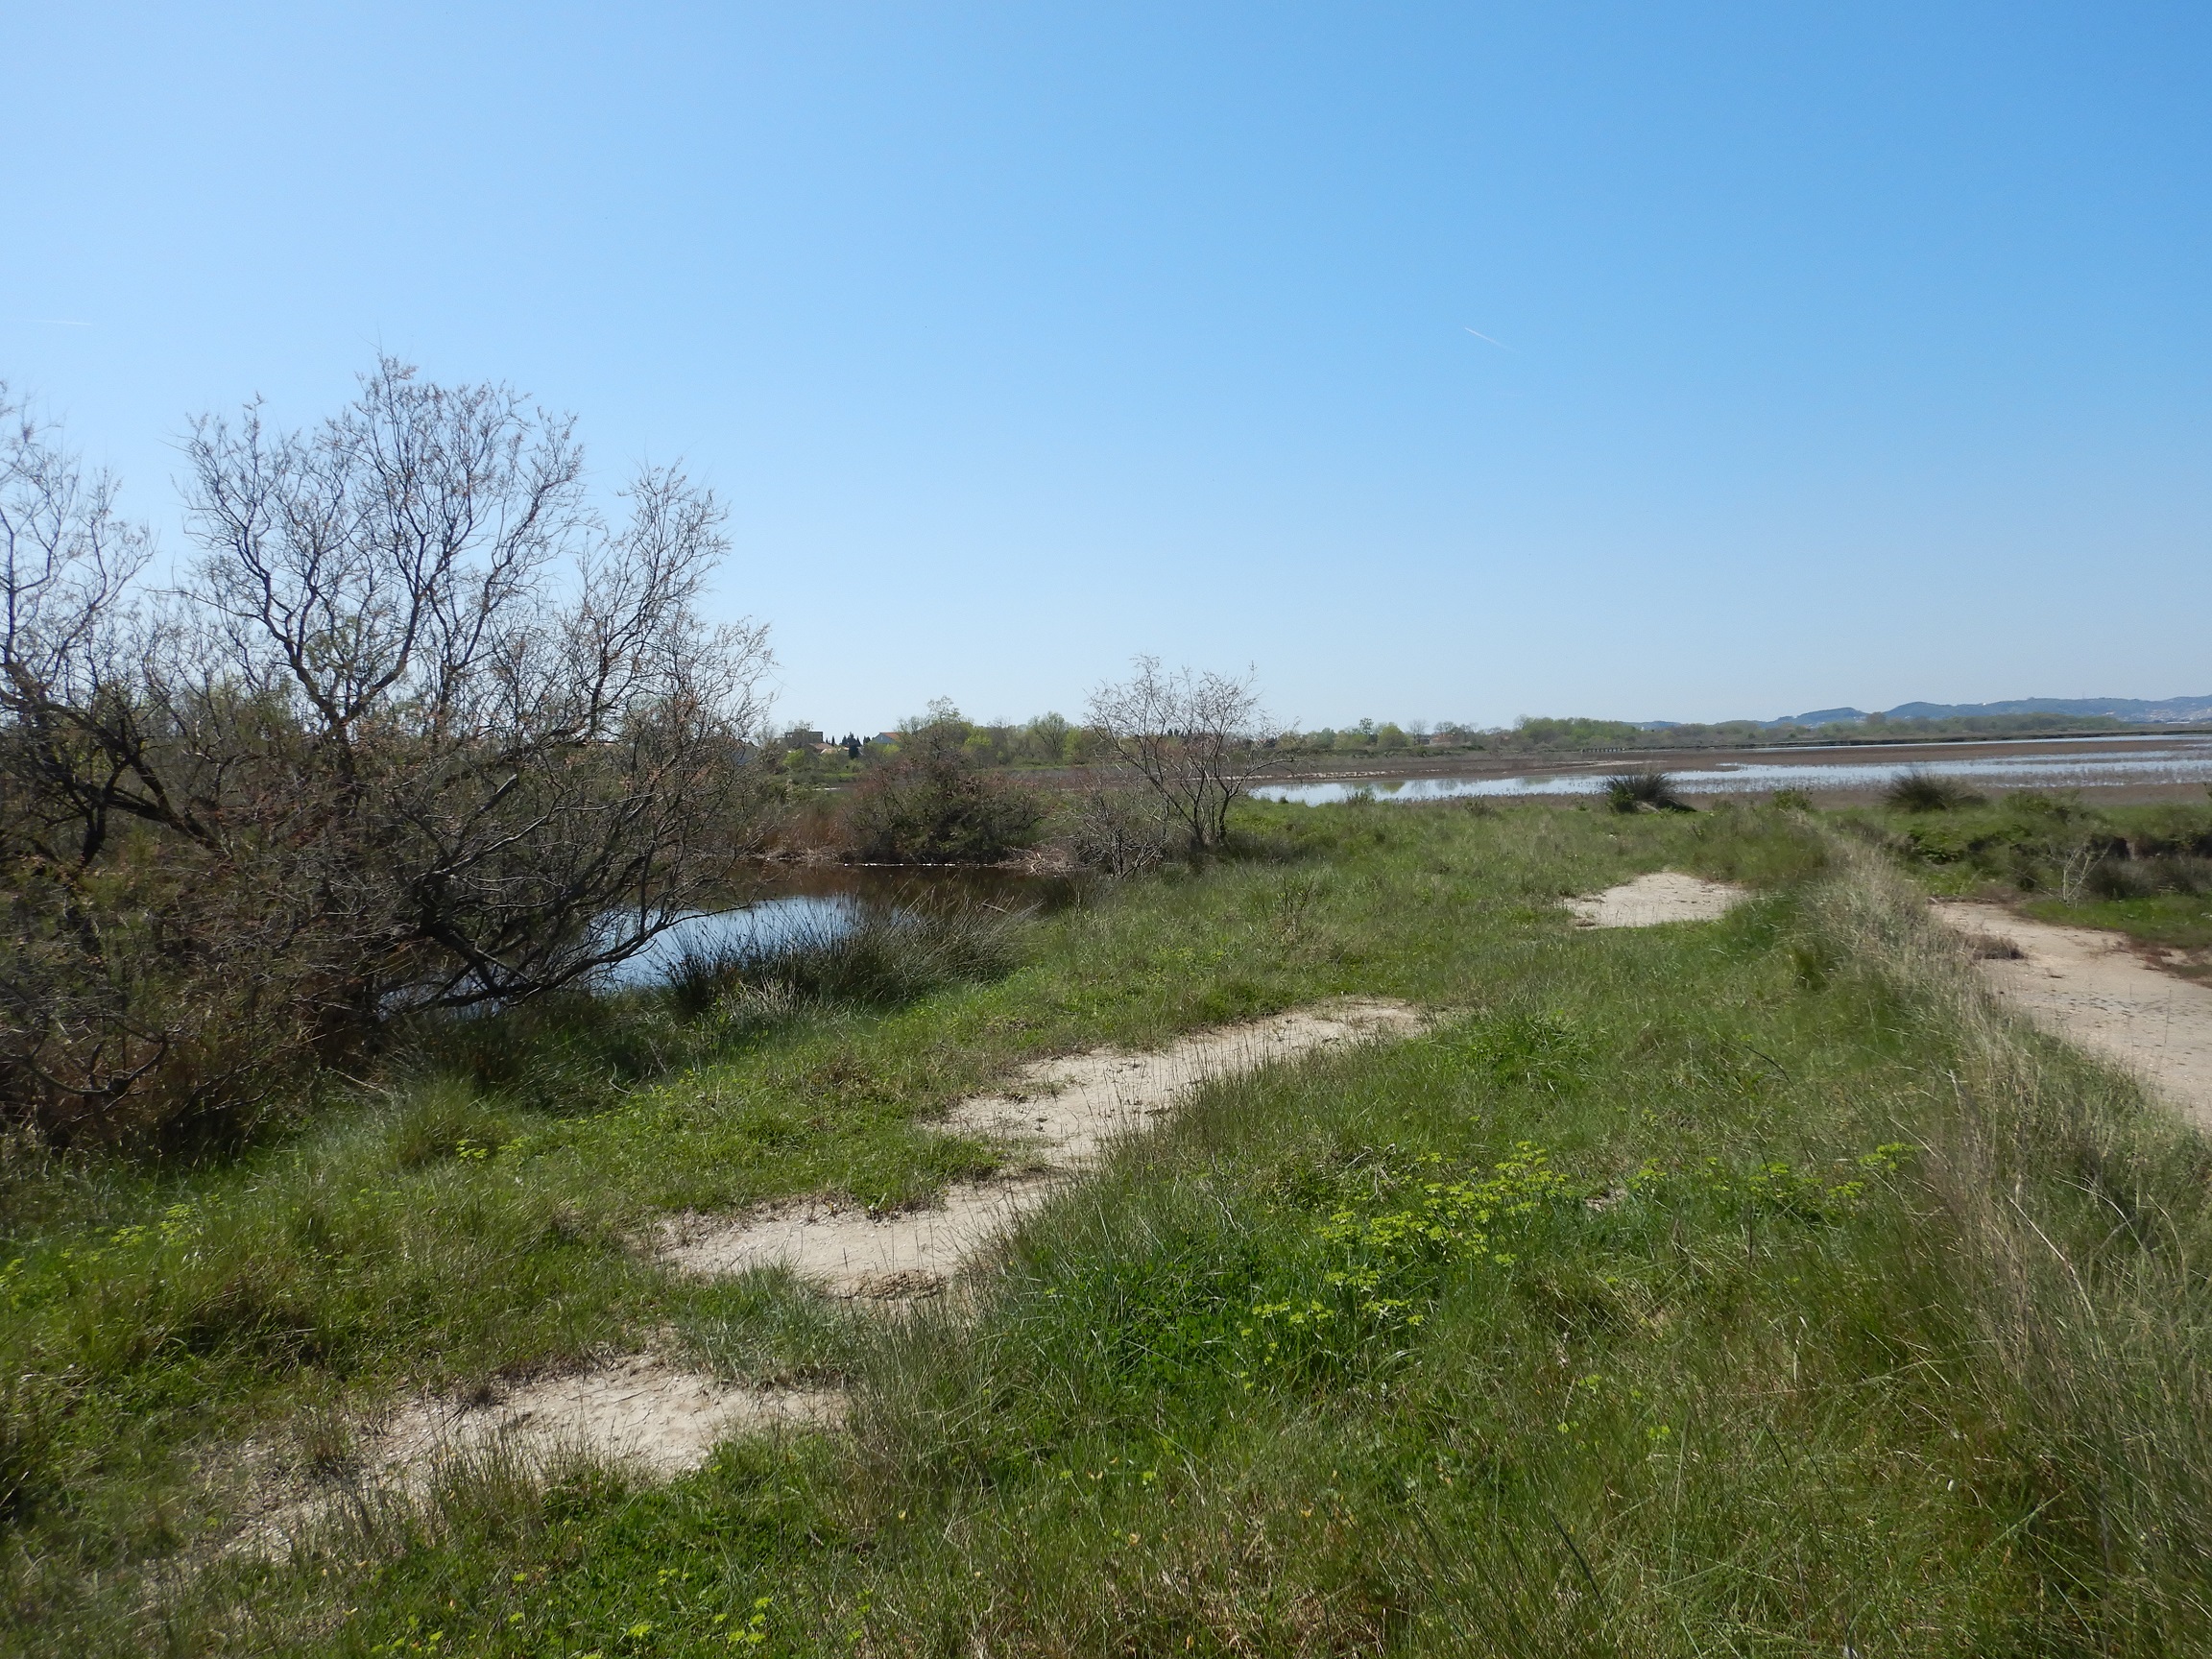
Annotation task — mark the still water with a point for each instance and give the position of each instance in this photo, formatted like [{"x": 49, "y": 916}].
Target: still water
[
  {"x": 793, "y": 904},
  {"x": 2125, "y": 761}
]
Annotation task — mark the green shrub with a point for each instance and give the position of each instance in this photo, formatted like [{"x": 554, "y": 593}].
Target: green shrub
[{"x": 933, "y": 806}]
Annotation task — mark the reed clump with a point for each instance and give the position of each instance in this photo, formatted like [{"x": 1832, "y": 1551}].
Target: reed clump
[
  {"x": 1918, "y": 790},
  {"x": 1645, "y": 792}
]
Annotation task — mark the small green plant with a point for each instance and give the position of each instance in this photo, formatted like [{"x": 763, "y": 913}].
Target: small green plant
[
  {"x": 1536, "y": 1050},
  {"x": 1792, "y": 800},
  {"x": 1382, "y": 1251}
]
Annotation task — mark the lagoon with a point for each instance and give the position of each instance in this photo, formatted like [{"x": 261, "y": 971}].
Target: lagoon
[{"x": 2141, "y": 765}]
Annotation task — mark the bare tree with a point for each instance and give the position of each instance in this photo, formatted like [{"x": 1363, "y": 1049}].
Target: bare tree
[
  {"x": 417, "y": 712},
  {"x": 72, "y": 1038},
  {"x": 68, "y": 563},
  {"x": 1198, "y": 738},
  {"x": 522, "y": 735}
]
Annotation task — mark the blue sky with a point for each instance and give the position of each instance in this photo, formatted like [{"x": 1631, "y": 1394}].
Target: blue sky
[{"x": 1845, "y": 353}]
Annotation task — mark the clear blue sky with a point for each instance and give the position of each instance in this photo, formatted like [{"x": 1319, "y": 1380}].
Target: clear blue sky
[{"x": 1845, "y": 354}]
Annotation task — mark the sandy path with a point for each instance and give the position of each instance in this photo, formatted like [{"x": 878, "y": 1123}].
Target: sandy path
[
  {"x": 1057, "y": 1118},
  {"x": 2089, "y": 986},
  {"x": 1649, "y": 901}
]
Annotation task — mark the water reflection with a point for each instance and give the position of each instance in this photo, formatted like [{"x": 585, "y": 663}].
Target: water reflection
[
  {"x": 823, "y": 902},
  {"x": 2161, "y": 761}
]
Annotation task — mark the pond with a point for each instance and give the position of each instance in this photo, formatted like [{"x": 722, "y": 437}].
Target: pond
[
  {"x": 2135, "y": 762},
  {"x": 822, "y": 901}
]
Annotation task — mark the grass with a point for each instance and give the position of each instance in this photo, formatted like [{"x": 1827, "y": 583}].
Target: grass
[{"x": 1745, "y": 1286}]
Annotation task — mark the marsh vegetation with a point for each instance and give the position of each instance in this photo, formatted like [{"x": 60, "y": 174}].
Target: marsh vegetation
[
  {"x": 1749, "y": 1283},
  {"x": 1656, "y": 1297}
]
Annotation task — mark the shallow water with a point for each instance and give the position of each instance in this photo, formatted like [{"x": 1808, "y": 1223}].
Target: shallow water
[
  {"x": 2155, "y": 760},
  {"x": 751, "y": 930},
  {"x": 824, "y": 902}
]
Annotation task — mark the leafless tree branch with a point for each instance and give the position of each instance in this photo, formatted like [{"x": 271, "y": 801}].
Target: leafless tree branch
[{"x": 1198, "y": 738}]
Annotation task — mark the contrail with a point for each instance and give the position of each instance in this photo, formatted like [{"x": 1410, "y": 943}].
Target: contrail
[{"x": 1479, "y": 335}]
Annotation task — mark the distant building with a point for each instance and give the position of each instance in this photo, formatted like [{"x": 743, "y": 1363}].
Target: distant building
[{"x": 798, "y": 739}]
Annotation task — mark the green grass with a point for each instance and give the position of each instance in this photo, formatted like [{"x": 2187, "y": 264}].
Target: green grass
[
  {"x": 2144, "y": 869},
  {"x": 1733, "y": 1288}
]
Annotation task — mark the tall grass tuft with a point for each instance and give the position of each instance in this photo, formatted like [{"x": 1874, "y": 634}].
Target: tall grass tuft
[
  {"x": 1644, "y": 792},
  {"x": 1918, "y": 790},
  {"x": 2078, "y": 1219}
]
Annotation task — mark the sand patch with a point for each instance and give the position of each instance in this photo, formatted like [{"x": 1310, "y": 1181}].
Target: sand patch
[
  {"x": 1651, "y": 901},
  {"x": 1056, "y": 1119},
  {"x": 851, "y": 1251},
  {"x": 639, "y": 1411},
  {"x": 2089, "y": 986}
]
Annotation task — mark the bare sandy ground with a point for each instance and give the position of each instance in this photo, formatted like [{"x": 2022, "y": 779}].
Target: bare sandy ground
[
  {"x": 1649, "y": 901},
  {"x": 640, "y": 1411},
  {"x": 1056, "y": 1120},
  {"x": 2091, "y": 987}
]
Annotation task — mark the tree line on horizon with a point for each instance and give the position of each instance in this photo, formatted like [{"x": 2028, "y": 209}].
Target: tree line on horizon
[{"x": 1052, "y": 740}]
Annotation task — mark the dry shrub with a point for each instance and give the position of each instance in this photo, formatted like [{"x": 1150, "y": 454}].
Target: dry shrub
[
  {"x": 1117, "y": 830},
  {"x": 1196, "y": 739}
]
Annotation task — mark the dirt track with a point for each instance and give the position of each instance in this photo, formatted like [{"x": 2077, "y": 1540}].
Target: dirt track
[
  {"x": 2092, "y": 988},
  {"x": 662, "y": 1418},
  {"x": 1057, "y": 1117}
]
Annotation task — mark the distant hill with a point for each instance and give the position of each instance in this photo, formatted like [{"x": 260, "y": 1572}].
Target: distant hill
[{"x": 2165, "y": 710}]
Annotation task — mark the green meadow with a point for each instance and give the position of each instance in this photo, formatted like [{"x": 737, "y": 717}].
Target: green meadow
[{"x": 1747, "y": 1286}]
